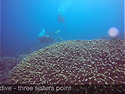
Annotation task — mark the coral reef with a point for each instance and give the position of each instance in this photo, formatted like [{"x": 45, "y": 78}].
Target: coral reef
[
  {"x": 6, "y": 65},
  {"x": 73, "y": 62}
]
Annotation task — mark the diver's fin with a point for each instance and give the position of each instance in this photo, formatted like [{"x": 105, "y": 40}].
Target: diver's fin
[
  {"x": 57, "y": 31},
  {"x": 60, "y": 38}
]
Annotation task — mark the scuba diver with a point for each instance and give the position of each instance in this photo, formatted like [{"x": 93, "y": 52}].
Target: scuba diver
[
  {"x": 44, "y": 38},
  {"x": 61, "y": 19}
]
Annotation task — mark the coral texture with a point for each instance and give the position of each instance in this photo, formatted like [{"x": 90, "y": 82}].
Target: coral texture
[
  {"x": 73, "y": 62},
  {"x": 6, "y": 65}
]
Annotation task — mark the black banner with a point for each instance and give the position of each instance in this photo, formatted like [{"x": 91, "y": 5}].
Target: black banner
[{"x": 62, "y": 89}]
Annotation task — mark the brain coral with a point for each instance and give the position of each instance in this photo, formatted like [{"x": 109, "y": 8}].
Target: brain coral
[{"x": 73, "y": 62}]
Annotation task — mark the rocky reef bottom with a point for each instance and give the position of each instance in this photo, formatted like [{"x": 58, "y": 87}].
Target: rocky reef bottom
[{"x": 6, "y": 65}]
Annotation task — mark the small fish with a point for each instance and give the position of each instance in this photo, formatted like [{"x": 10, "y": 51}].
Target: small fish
[{"x": 57, "y": 31}]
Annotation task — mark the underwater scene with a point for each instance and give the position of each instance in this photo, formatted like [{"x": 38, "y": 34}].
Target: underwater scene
[{"x": 63, "y": 42}]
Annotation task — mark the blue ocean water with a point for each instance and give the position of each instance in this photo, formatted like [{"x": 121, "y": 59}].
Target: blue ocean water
[{"x": 23, "y": 20}]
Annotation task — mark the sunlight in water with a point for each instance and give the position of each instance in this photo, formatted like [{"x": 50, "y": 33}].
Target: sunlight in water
[{"x": 113, "y": 32}]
